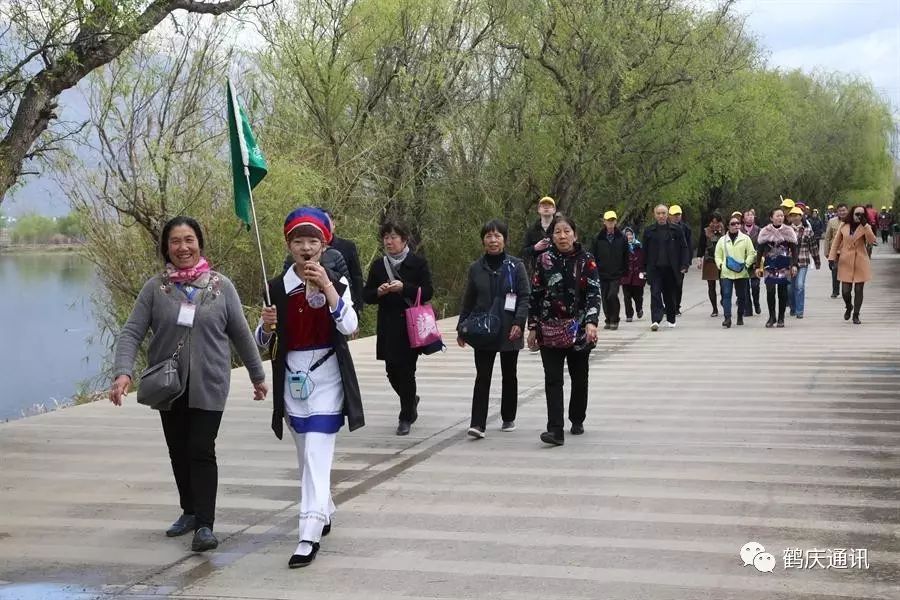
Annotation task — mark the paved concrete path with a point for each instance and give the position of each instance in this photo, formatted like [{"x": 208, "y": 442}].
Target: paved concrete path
[{"x": 699, "y": 439}]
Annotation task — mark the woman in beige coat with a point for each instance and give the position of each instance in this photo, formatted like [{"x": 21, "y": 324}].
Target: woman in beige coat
[{"x": 854, "y": 267}]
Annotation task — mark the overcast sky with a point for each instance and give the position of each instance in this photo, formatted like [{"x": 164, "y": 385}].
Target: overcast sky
[{"x": 853, "y": 36}]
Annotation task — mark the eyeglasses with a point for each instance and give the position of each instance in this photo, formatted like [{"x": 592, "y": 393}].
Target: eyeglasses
[
  {"x": 858, "y": 214},
  {"x": 734, "y": 223}
]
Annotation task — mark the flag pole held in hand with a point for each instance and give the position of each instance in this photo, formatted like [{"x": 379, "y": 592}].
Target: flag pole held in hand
[{"x": 248, "y": 167}]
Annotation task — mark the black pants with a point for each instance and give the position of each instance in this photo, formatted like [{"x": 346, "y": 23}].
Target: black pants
[
  {"x": 484, "y": 370},
  {"x": 884, "y": 235},
  {"x": 609, "y": 298},
  {"x": 664, "y": 283},
  {"x": 835, "y": 287},
  {"x": 633, "y": 293},
  {"x": 751, "y": 298},
  {"x": 402, "y": 377},
  {"x": 711, "y": 292},
  {"x": 853, "y": 300},
  {"x": 679, "y": 288},
  {"x": 553, "y": 386},
  {"x": 782, "y": 291},
  {"x": 191, "y": 438}
]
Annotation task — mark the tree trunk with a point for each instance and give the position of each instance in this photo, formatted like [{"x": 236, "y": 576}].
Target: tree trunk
[{"x": 93, "y": 47}]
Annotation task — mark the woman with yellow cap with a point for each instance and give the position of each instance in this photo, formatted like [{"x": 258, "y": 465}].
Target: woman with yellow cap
[{"x": 807, "y": 251}]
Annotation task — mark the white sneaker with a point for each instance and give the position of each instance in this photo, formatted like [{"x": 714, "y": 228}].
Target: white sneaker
[
  {"x": 508, "y": 426},
  {"x": 475, "y": 433},
  {"x": 670, "y": 325},
  {"x": 654, "y": 327}
]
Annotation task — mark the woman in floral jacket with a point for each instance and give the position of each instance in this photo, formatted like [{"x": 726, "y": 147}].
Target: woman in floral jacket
[{"x": 563, "y": 315}]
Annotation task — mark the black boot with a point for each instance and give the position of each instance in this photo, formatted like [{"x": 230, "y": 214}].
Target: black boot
[
  {"x": 727, "y": 322},
  {"x": 740, "y": 320}
]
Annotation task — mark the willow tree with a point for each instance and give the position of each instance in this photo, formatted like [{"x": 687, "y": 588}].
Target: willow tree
[{"x": 46, "y": 48}]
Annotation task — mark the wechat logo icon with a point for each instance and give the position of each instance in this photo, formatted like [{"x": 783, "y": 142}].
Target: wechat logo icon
[{"x": 753, "y": 553}]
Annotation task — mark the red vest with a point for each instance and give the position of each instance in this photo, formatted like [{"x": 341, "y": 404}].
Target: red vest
[{"x": 306, "y": 328}]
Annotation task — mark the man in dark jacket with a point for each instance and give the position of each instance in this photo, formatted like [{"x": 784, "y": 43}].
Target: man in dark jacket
[
  {"x": 676, "y": 218},
  {"x": 610, "y": 249},
  {"x": 667, "y": 256},
  {"x": 537, "y": 238},
  {"x": 351, "y": 257}
]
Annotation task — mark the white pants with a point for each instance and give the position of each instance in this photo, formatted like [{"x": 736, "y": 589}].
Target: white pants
[{"x": 315, "y": 453}]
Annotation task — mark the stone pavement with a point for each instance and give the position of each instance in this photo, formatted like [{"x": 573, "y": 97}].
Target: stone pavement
[{"x": 699, "y": 440}]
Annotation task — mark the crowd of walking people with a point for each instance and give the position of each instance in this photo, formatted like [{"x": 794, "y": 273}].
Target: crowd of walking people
[{"x": 551, "y": 299}]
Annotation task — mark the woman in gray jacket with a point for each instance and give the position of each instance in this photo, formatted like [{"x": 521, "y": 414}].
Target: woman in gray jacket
[
  {"x": 491, "y": 320},
  {"x": 190, "y": 304}
]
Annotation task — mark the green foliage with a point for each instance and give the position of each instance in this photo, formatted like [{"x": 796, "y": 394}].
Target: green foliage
[
  {"x": 33, "y": 229},
  {"x": 446, "y": 113}
]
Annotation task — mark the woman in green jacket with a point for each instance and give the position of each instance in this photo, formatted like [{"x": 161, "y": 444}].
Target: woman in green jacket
[{"x": 734, "y": 256}]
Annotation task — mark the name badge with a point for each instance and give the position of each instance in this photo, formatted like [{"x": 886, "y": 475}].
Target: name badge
[
  {"x": 510, "y": 303},
  {"x": 186, "y": 314}
]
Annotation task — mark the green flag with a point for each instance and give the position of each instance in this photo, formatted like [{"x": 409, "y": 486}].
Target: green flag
[{"x": 248, "y": 166}]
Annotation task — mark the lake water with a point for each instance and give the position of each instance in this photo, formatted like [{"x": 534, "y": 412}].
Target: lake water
[{"x": 49, "y": 340}]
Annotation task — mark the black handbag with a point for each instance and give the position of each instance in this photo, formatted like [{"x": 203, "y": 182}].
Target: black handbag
[{"x": 482, "y": 329}]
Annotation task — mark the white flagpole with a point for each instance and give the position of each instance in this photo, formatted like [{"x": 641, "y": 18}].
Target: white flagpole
[{"x": 262, "y": 262}]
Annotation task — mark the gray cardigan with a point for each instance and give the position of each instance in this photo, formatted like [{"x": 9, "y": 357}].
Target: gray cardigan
[{"x": 219, "y": 318}]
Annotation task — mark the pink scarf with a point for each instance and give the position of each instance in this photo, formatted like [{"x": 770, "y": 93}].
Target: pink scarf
[{"x": 187, "y": 275}]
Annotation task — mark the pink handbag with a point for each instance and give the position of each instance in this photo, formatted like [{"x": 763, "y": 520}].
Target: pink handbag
[{"x": 421, "y": 326}]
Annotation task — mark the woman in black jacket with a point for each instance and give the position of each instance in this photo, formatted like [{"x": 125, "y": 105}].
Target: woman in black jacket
[
  {"x": 491, "y": 320},
  {"x": 393, "y": 283}
]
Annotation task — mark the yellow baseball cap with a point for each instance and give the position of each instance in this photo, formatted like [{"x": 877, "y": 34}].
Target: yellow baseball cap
[
  {"x": 796, "y": 211},
  {"x": 737, "y": 213},
  {"x": 674, "y": 210},
  {"x": 610, "y": 215},
  {"x": 547, "y": 200},
  {"x": 787, "y": 203}
]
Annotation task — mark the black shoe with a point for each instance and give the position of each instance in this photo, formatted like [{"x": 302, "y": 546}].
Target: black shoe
[
  {"x": 204, "y": 540},
  {"x": 606, "y": 326},
  {"x": 403, "y": 428},
  {"x": 799, "y": 316},
  {"x": 678, "y": 313},
  {"x": 577, "y": 429},
  {"x": 833, "y": 296},
  {"x": 554, "y": 439},
  {"x": 740, "y": 320},
  {"x": 856, "y": 321},
  {"x": 183, "y": 525},
  {"x": 847, "y": 313},
  {"x": 628, "y": 319},
  {"x": 298, "y": 560},
  {"x": 758, "y": 310},
  {"x": 726, "y": 323},
  {"x": 792, "y": 313},
  {"x": 614, "y": 326},
  {"x": 326, "y": 530},
  {"x": 640, "y": 314},
  {"x": 770, "y": 323},
  {"x": 714, "y": 313},
  {"x": 415, "y": 416},
  {"x": 780, "y": 323}
]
